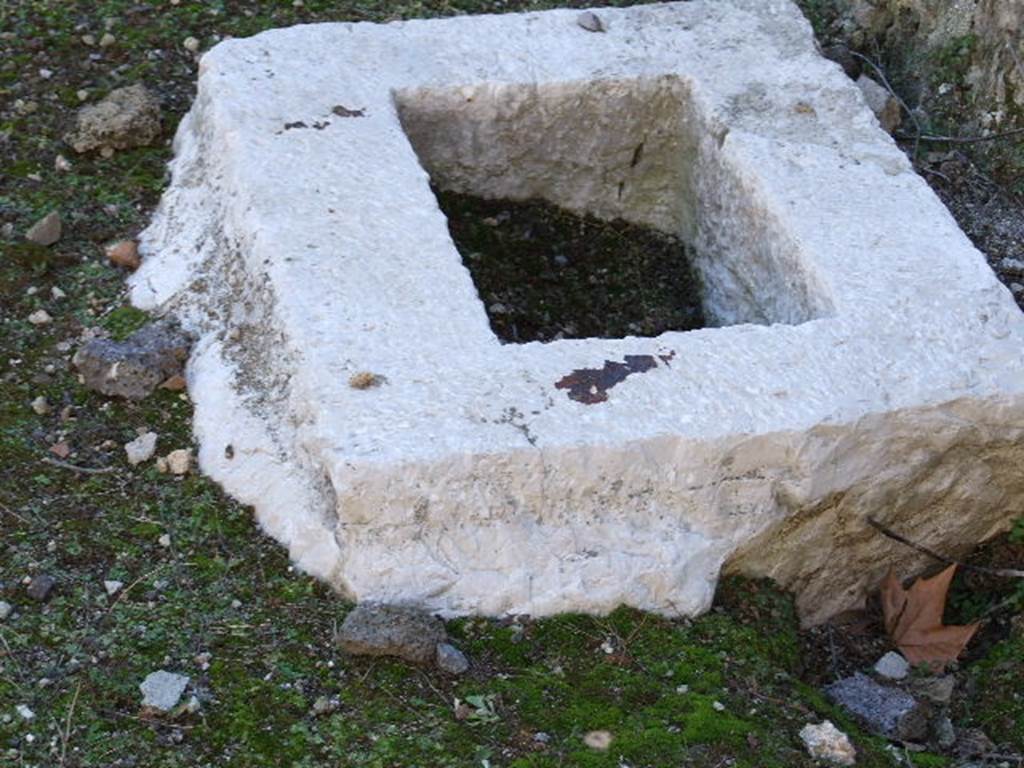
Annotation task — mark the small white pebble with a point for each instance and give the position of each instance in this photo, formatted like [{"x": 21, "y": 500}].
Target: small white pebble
[
  {"x": 106, "y": 152},
  {"x": 682, "y": 689},
  {"x": 31, "y": 291},
  {"x": 112, "y": 587},
  {"x": 57, "y": 293},
  {"x": 89, "y": 39},
  {"x": 61, "y": 163},
  {"x": 164, "y": 540},
  {"x": 40, "y": 406},
  {"x": 51, "y": 546},
  {"x": 25, "y": 712},
  {"x": 45, "y": 73},
  {"x": 236, "y": 603},
  {"x": 718, "y": 706},
  {"x": 40, "y": 317},
  {"x": 82, "y": 94},
  {"x": 191, "y": 44},
  {"x": 107, "y": 40}
]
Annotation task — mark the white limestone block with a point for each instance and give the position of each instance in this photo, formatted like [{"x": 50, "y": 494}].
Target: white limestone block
[{"x": 865, "y": 361}]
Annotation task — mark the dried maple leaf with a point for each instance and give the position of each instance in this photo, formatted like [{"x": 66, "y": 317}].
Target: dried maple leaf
[{"x": 913, "y": 619}]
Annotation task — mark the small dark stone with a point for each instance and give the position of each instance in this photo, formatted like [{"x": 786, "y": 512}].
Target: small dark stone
[
  {"x": 974, "y": 742},
  {"x": 40, "y": 588},
  {"x": 451, "y": 660},
  {"x": 409, "y": 633},
  {"x": 887, "y": 711},
  {"x": 844, "y": 57},
  {"x": 133, "y": 368},
  {"x": 938, "y": 689}
]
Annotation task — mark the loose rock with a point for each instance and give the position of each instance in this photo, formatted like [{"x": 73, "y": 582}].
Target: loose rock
[
  {"x": 179, "y": 462},
  {"x": 882, "y": 103},
  {"x": 599, "y": 740},
  {"x": 162, "y": 690},
  {"x": 884, "y": 710},
  {"x": 938, "y": 690},
  {"x": 40, "y": 317},
  {"x": 25, "y": 712},
  {"x": 6, "y": 609},
  {"x": 451, "y": 660},
  {"x": 133, "y": 368},
  {"x": 141, "y": 448},
  {"x": 191, "y": 44},
  {"x": 392, "y": 630},
  {"x": 591, "y": 22},
  {"x": 128, "y": 117},
  {"x": 892, "y": 666},
  {"x": 47, "y": 230},
  {"x": 40, "y": 587},
  {"x": 943, "y": 732},
  {"x": 124, "y": 254},
  {"x": 974, "y": 742},
  {"x": 40, "y": 406},
  {"x": 826, "y": 742},
  {"x": 112, "y": 587}
]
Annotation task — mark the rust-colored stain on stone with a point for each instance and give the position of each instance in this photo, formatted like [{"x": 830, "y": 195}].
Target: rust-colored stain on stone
[{"x": 591, "y": 385}]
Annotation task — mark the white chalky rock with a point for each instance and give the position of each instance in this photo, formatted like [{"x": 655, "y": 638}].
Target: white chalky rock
[
  {"x": 865, "y": 361},
  {"x": 826, "y": 742},
  {"x": 892, "y": 666},
  {"x": 161, "y": 690},
  {"x": 141, "y": 448}
]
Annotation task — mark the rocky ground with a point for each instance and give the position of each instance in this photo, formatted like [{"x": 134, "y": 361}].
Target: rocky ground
[{"x": 144, "y": 620}]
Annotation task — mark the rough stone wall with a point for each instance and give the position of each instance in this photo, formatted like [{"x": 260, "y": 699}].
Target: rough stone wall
[{"x": 931, "y": 46}]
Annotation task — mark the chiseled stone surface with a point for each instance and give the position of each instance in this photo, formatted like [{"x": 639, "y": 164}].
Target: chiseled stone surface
[{"x": 866, "y": 361}]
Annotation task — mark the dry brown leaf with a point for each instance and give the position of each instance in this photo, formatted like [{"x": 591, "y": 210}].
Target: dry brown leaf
[{"x": 913, "y": 619}]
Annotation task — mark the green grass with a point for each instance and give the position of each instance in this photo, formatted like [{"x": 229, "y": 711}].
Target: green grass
[{"x": 77, "y": 660}]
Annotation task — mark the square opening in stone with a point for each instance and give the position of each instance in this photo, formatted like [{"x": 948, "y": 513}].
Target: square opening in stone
[
  {"x": 545, "y": 273},
  {"x": 602, "y": 208}
]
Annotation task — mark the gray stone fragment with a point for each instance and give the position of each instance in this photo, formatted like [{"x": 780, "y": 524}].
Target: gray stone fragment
[
  {"x": 141, "y": 448},
  {"x": 372, "y": 629},
  {"x": 887, "y": 711},
  {"x": 161, "y": 690},
  {"x": 943, "y": 732},
  {"x": 40, "y": 587},
  {"x": 6, "y": 609},
  {"x": 882, "y": 103},
  {"x": 128, "y": 117},
  {"x": 133, "y": 368},
  {"x": 892, "y": 666},
  {"x": 451, "y": 660},
  {"x": 1012, "y": 265},
  {"x": 974, "y": 742},
  {"x": 936, "y": 689},
  {"x": 47, "y": 230},
  {"x": 591, "y": 22}
]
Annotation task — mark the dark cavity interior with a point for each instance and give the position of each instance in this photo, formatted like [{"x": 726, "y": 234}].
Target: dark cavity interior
[{"x": 544, "y": 273}]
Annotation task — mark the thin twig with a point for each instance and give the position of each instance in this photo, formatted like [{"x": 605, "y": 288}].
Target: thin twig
[
  {"x": 12, "y": 513},
  {"x": 1005, "y": 572},
  {"x": 73, "y": 468},
  {"x": 65, "y": 737},
  {"x": 963, "y": 139},
  {"x": 899, "y": 99}
]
